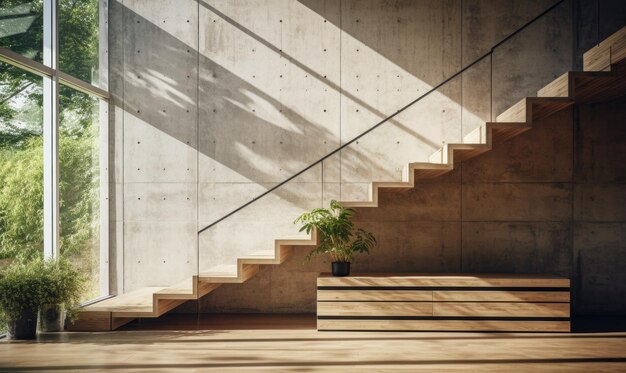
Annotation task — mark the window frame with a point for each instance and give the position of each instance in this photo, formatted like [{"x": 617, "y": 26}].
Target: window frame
[{"x": 52, "y": 78}]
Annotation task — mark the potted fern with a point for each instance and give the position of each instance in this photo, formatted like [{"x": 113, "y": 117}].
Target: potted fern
[{"x": 337, "y": 236}]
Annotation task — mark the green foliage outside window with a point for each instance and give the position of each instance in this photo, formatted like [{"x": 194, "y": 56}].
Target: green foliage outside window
[{"x": 21, "y": 156}]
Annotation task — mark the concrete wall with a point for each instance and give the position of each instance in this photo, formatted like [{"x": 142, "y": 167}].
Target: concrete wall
[
  {"x": 548, "y": 201},
  {"x": 214, "y": 102}
]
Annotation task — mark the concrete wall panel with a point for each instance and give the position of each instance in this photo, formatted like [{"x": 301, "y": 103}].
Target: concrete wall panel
[
  {"x": 158, "y": 253},
  {"x": 159, "y": 69},
  {"x": 600, "y": 202},
  {"x": 517, "y": 247},
  {"x": 160, "y": 202},
  {"x": 516, "y": 202},
  {"x": 600, "y": 254},
  {"x": 599, "y": 137}
]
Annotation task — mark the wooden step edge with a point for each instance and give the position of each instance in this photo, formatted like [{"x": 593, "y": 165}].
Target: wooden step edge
[
  {"x": 162, "y": 306},
  {"x": 416, "y": 166},
  {"x": 250, "y": 260},
  {"x": 548, "y": 100},
  {"x": 431, "y": 170},
  {"x": 134, "y": 314},
  {"x": 565, "y": 85},
  {"x": 445, "y": 153},
  {"x": 358, "y": 204},
  {"x": 559, "y": 87},
  {"x": 392, "y": 184},
  {"x": 507, "y": 125},
  {"x": 612, "y": 39},
  {"x": 542, "y": 107},
  {"x": 503, "y": 131},
  {"x": 608, "y": 52},
  {"x": 454, "y": 147},
  {"x": 462, "y": 146},
  {"x": 220, "y": 279},
  {"x": 244, "y": 273},
  {"x": 515, "y": 113},
  {"x": 474, "y": 149},
  {"x": 523, "y": 110},
  {"x": 297, "y": 242}
]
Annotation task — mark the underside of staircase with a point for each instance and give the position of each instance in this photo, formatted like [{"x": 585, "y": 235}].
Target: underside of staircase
[{"x": 603, "y": 79}]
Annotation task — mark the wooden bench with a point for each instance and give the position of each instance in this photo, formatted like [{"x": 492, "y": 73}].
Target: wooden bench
[{"x": 444, "y": 302}]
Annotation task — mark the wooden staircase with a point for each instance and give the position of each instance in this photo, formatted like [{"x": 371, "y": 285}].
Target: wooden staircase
[{"x": 603, "y": 78}]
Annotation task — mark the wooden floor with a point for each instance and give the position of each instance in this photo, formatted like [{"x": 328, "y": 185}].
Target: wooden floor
[{"x": 290, "y": 343}]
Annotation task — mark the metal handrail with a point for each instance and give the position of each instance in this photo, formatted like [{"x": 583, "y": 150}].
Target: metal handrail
[{"x": 433, "y": 89}]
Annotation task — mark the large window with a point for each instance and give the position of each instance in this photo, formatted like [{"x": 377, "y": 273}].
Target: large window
[
  {"x": 21, "y": 164},
  {"x": 21, "y": 27},
  {"x": 79, "y": 183},
  {"x": 53, "y": 127},
  {"x": 79, "y": 39}
]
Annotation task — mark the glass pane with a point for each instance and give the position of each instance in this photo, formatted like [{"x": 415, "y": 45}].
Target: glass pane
[
  {"x": 78, "y": 39},
  {"x": 21, "y": 27},
  {"x": 21, "y": 165},
  {"x": 79, "y": 184}
]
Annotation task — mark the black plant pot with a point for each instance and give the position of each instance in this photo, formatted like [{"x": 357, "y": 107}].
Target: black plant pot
[
  {"x": 341, "y": 269},
  {"x": 25, "y": 327},
  {"x": 51, "y": 318}
]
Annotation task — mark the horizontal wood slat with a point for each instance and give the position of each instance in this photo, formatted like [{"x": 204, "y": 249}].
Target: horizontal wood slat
[
  {"x": 444, "y": 325},
  {"x": 375, "y": 309},
  {"x": 445, "y": 280},
  {"x": 500, "y": 309},
  {"x": 374, "y": 295},
  {"x": 501, "y": 296}
]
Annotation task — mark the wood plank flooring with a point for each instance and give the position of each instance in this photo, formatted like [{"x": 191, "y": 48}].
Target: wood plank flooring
[{"x": 289, "y": 343}]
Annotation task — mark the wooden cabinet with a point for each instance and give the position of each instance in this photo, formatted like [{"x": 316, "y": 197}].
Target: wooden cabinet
[{"x": 446, "y": 302}]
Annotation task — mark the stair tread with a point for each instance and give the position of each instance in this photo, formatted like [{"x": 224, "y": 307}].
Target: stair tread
[
  {"x": 261, "y": 254},
  {"x": 182, "y": 288},
  {"x": 427, "y": 166},
  {"x": 222, "y": 270},
  {"x": 294, "y": 238},
  {"x": 139, "y": 300}
]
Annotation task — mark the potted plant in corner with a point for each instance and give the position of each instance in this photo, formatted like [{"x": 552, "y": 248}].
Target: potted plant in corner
[
  {"x": 337, "y": 235},
  {"x": 64, "y": 287},
  {"x": 21, "y": 291}
]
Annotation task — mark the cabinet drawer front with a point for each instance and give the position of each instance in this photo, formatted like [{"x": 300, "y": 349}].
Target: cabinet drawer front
[
  {"x": 435, "y": 281},
  {"x": 374, "y": 309},
  {"x": 495, "y": 309},
  {"x": 445, "y": 325},
  {"x": 501, "y": 296},
  {"x": 374, "y": 295}
]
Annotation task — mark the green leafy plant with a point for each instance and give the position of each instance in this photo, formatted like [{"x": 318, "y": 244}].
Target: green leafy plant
[
  {"x": 22, "y": 288},
  {"x": 337, "y": 235},
  {"x": 27, "y": 285},
  {"x": 65, "y": 285}
]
